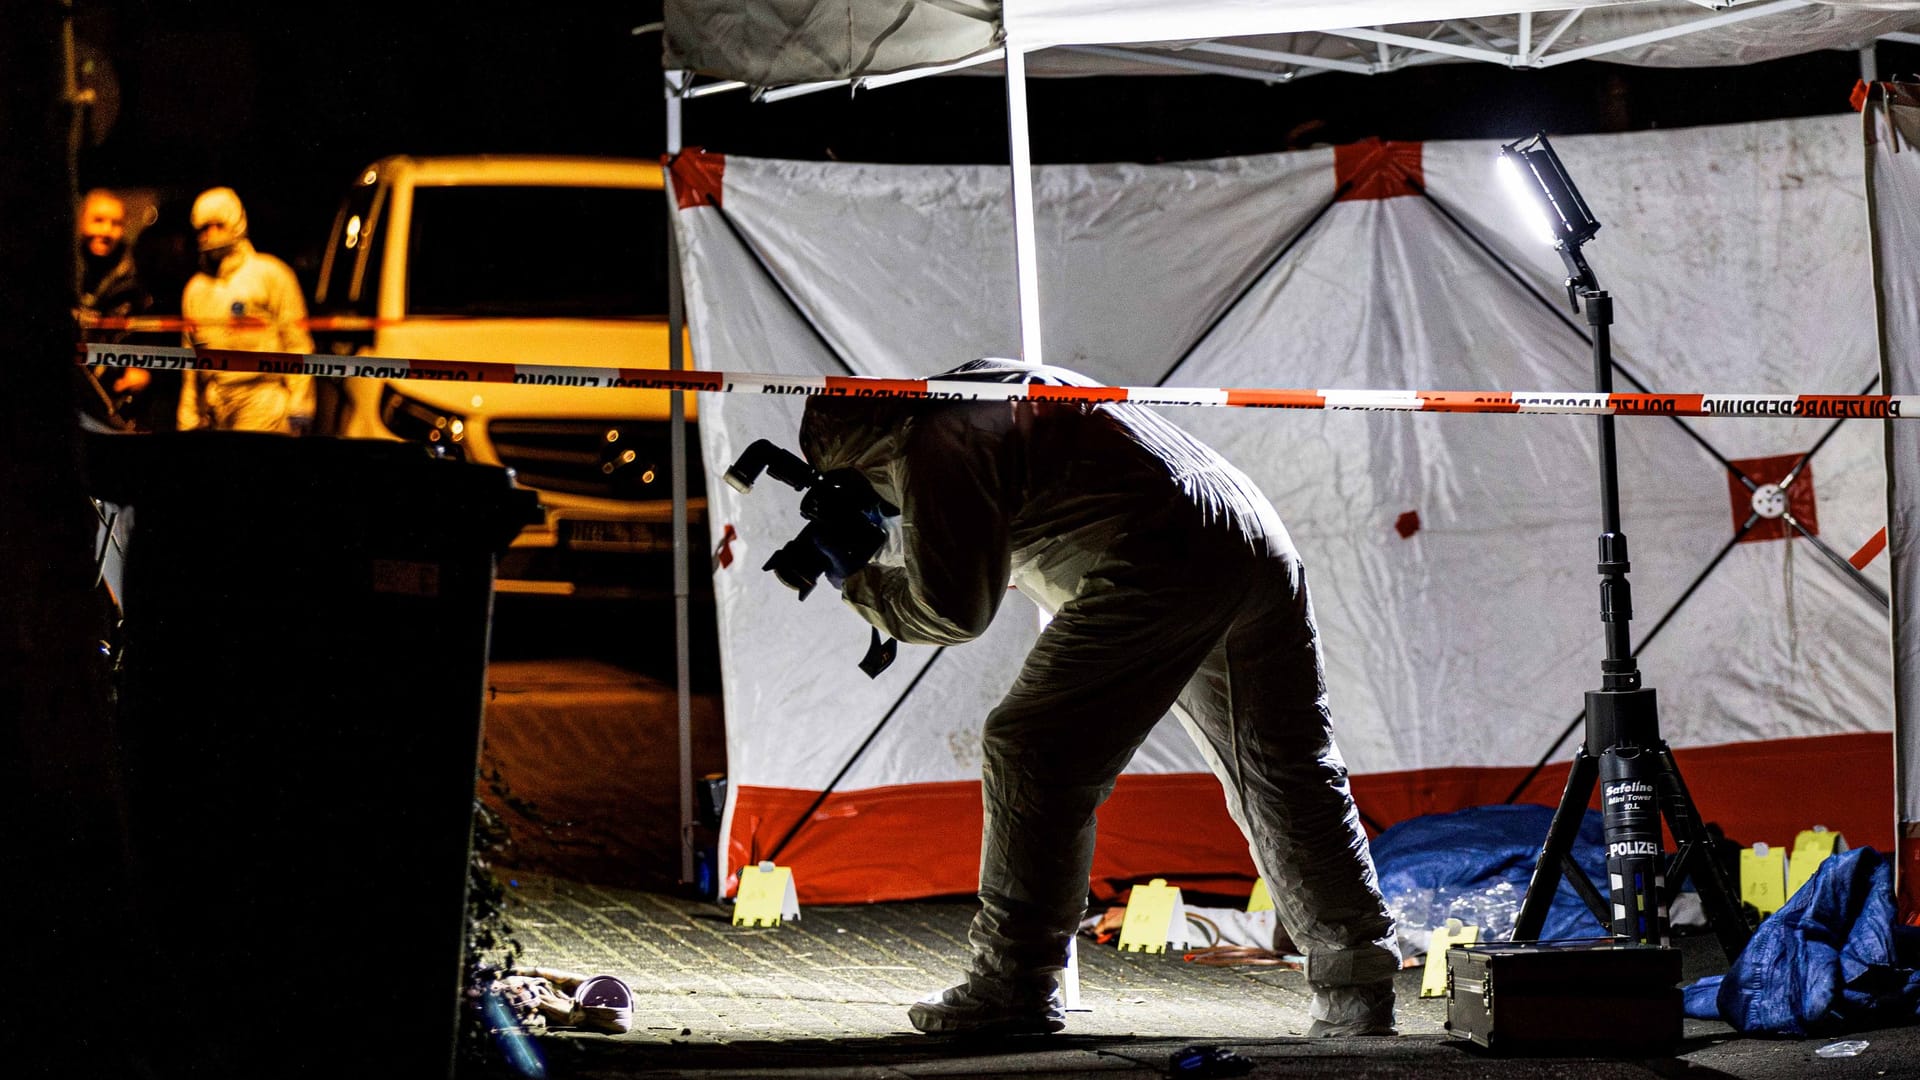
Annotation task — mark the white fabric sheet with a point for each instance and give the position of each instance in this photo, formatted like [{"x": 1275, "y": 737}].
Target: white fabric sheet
[{"x": 1737, "y": 257}]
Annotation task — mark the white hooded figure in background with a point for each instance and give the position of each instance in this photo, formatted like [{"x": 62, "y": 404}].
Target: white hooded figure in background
[
  {"x": 1172, "y": 585},
  {"x": 245, "y": 300}
]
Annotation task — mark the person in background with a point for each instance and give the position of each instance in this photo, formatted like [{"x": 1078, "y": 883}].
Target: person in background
[
  {"x": 1172, "y": 585},
  {"x": 245, "y": 300},
  {"x": 110, "y": 288},
  {"x": 109, "y": 282}
]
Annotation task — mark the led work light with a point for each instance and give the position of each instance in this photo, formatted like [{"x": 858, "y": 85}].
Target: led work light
[{"x": 1551, "y": 206}]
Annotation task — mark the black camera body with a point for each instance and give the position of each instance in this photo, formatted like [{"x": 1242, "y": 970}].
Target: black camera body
[{"x": 843, "y": 516}]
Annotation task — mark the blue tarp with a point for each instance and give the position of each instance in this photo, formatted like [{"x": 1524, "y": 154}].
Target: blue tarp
[
  {"x": 1833, "y": 959},
  {"x": 1477, "y": 862}
]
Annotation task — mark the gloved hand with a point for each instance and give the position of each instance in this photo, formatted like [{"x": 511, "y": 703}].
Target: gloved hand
[{"x": 840, "y": 565}]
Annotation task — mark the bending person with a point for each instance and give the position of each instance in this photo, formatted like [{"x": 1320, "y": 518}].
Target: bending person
[{"x": 1173, "y": 585}]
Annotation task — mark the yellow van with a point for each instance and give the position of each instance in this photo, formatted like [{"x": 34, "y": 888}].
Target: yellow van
[{"x": 521, "y": 260}]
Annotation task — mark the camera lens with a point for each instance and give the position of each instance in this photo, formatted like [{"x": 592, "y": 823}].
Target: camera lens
[{"x": 799, "y": 565}]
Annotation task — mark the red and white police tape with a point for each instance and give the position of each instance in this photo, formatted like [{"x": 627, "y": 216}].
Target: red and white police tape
[{"x": 1788, "y": 406}]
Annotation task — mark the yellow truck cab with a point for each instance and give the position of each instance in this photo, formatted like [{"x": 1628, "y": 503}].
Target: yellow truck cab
[{"x": 520, "y": 260}]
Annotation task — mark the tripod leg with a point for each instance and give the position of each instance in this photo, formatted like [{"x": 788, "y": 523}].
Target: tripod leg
[
  {"x": 1587, "y": 890},
  {"x": 1560, "y": 836},
  {"x": 1717, "y": 896}
]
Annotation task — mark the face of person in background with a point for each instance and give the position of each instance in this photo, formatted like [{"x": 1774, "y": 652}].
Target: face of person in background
[
  {"x": 215, "y": 237},
  {"x": 219, "y": 222},
  {"x": 103, "y": 223}
]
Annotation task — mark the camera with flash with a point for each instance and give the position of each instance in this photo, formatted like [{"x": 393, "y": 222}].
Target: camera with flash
[{"x": 843, "y": 531}]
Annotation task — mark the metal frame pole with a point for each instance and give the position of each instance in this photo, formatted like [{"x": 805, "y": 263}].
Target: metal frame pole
[
  {"x": 1025, "y": 247},
  {"x": 682, "y": 636}
]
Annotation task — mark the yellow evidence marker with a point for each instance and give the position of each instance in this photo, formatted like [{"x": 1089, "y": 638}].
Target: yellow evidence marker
[
  {"x": 1811, "y": 848},
  {"x": 1763, "y": 878},
  {"x": 1156, "y": 916},
  {"x": 1433, "y": 981},
  {"x": 766, "y": 896}
]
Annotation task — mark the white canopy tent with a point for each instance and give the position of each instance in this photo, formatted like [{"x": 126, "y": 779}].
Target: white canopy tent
[
  {"x": 784, "y": 48},
  {"x": 795, "y": 47},
  {"x": 779, "y": 50}
]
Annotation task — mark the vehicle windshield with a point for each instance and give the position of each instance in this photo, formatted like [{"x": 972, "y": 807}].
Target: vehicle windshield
[{"x": 537, "y": 252}]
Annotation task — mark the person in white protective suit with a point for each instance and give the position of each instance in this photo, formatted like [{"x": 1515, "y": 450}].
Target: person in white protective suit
[
  {"x": 1172, "y": 584},
  {"x": 247, "y": 300}
]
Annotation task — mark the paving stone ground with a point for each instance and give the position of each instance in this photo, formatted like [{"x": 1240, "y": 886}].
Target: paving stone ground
[
  {"x": 826, "y": 997},
  {"x": 592, "y": 746}
]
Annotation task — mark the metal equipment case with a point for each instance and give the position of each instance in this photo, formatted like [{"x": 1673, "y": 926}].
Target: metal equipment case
[{"x": 1588, "y": 996}]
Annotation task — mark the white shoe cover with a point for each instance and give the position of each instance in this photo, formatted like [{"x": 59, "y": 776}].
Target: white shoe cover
[
  {"x": 961, "y": 1010},
  {"x": 1352, "y": 1010}
]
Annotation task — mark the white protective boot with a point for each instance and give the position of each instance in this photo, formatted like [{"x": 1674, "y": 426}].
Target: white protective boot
[
  {"x": 990, "y": 1007},
  {"x": 1352, "y": 1010}
]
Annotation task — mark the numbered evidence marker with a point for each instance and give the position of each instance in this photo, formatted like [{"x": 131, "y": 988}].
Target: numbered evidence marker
[
  {"x": 1763, "y": 878},
  {"x": 1433, "y": 982},
  {"x": 1811, "y": 848},
  {"x": 765, "y": 896},
  {"x": 1261, "y": 900},
  {"x": 1156, "y": 916}
]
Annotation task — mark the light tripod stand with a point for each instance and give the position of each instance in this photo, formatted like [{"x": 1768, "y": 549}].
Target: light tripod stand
[{"x": 1639, "y": 781}]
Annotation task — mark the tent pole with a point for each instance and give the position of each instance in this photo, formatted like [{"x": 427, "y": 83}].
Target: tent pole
[
  {"x": 1025, "y": 248},
  {"x": 677, "y": 422},
  {"x": 1888, "y": 184}
]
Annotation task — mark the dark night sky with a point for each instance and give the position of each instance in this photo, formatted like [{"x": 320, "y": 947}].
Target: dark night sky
[{"x": 286, "y": 104}]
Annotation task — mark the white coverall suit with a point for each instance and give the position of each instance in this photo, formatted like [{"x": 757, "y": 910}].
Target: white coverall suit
[
  {"x": 1172, "y": 584},
  {"x": 249, "y": 301}
]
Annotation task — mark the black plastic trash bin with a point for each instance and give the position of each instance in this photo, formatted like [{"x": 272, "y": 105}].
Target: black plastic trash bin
[{"x": 305, "y": 645}]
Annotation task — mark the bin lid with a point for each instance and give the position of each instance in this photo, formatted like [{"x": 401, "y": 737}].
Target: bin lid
[{"x": 405, "y": 483}]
